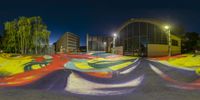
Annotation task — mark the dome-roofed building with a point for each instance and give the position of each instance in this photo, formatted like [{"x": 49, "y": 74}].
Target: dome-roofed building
[{"x": 146, "y": 37}]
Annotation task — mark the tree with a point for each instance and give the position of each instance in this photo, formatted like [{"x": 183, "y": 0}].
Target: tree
[
  {"x": 1, "y": 42},
  {"x": 198, "y": 43},
  {"x": 9, "y": 40},
  {"x": 190, "y": 41},
  {"x": 23, "y": 35},
  {"x": 40, "y": 34}
]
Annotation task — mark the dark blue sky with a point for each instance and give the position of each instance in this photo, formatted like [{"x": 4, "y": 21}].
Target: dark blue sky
[{"x": 100, "y": 16}]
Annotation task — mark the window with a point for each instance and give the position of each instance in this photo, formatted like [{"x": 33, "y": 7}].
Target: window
[
  {"x": 130, "y": 33},
  {"x": 134, "y": 34},
  {"x": 143, "y": 29},
  {"x": 136, "y": 29},
  {"x": 174, "y": 42},
  {"x": 150, "y": 33}
]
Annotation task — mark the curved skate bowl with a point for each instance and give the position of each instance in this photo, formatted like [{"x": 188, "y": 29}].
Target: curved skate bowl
[{"x": 90, "y": 70}]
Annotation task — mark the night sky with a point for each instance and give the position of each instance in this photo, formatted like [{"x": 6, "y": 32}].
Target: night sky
[{"x": 102, "y": 16}]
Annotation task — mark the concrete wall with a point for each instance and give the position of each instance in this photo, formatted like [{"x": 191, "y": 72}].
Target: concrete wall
[
  {"x": 176, "y": 50},
  {"x": 157, "y": 50},
  {"x": 161, "y": 50},
  {"x": 118, "y": 50}
]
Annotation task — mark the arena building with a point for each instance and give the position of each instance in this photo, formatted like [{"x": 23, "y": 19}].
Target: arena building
[{"x": 146, "y": 37}]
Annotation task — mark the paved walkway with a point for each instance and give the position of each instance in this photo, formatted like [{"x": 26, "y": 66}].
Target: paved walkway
[{"x": 145, "y": 80}]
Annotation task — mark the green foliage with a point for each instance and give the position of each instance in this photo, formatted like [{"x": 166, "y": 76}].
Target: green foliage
[
  {"x": 198, "y": 44},
  {"x": 25, "y": 35},
  {"x": 190, "y": 42},
  {"x": 1, "y": 42}
]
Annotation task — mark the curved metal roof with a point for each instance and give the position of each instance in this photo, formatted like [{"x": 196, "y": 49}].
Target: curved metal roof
[{"x": 146, "y": 20}]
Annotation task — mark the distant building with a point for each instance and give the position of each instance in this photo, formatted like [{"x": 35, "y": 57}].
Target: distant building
[
  {"x": 69, "y": 42},
  {"x": 52, "y": 49},
  {"x": 99, "y": 42},
  {"x": 83, "y": 49},
  {"x": 146, "y": 37}
]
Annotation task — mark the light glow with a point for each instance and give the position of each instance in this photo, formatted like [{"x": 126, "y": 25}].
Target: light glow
[
  {"x": 115, "y": 35},
  {"x": 166, "y": 27}
]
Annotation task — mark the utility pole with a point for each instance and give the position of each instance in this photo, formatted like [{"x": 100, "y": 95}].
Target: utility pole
[
  {"x": 169, "y": 40},
  {"x": 114, "y": 38}
]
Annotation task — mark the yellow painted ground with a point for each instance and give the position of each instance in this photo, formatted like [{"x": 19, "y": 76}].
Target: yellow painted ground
[
  {"x": 120, "y": 66},
  {"x": 13, "y": 65},
  {"x": 111, "y": 59},
  {"x": 84, "y": 64},
  {"x": 188, "y": 61}
]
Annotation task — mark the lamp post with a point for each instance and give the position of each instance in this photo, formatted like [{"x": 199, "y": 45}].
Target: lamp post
[
  {"x": 114, "y": 38},
  {"x": 167, "y": 28},
  {"x": 104, "y": 45}
]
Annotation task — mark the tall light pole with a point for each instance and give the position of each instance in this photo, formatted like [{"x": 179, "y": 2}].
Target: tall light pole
[
  {"x": 114, "y": 38},
  {"x": 104, "y": 45},
  {"x": 167, "y": 28},
  {"x": 87, "y": 43}
]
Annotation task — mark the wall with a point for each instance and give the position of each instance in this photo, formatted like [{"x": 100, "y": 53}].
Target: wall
[
  {"x": 72, "y": 42},
  {"x": 162, "y": 50},
  {"x": 157, "y": 50},
  {"x": 99, "y": 42},
  {"x": 118, "y": 50},
  {"x": 176, "y": 50},
  {"x": 69, "y": 42}
]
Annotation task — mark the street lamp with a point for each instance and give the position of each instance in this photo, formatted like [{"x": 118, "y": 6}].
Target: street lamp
[
  {"x": 114, "y": 38},
  {"x": 167, "y": 28},
  {"x": 104, "y": 44},
  {"x": 115, "y": 35}
]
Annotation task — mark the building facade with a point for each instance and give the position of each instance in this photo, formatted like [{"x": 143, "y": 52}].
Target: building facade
[
  {"x": 69, "y": 42},
  {"x": 146, "y": 37},
  {"x": 99, "y": 42}
]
